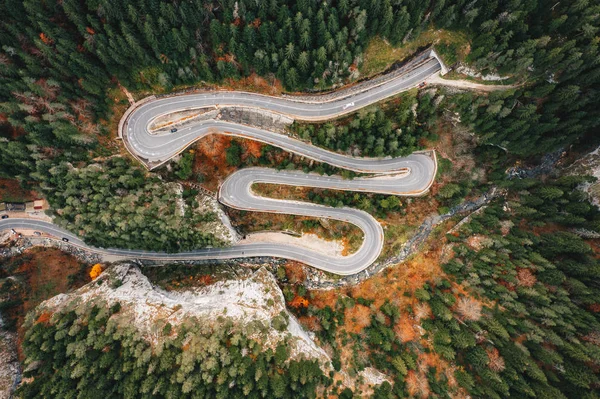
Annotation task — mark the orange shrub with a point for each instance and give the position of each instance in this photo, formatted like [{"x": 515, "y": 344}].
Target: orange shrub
[
  {"x": 96, "y": 270},
  {"x": 45, "y": 38},
  {"x": 299, "y": 302}
]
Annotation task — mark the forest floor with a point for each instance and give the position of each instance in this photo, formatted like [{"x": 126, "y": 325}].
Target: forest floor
[
  {"x": 11, "y": 191},
  {"x": 109, "y": 145},
  {"x": 256, "y": 84},
  {"x": 269, "y": 85}
]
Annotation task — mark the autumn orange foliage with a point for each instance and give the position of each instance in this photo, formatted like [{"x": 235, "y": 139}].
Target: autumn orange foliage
[
  {"x": 417, "y": 384},
  {"x": 255, "y": 83},
  {"x": 214, "y": 145},
  {"x": 96, "y": 271},
  {"x": 526, "y": 278},
  {"x": 405, "y": 330},
  {"x": 295, "y": 272},
  {"x": 595, "y": 307},
  {"x": 45, "y": 38},
  {"x": 299, "y": 302},
  {"x": 345, "y": 246},
  {"x": 357, "y": 318},
  {"x": 205, "y": 280},
  {"x": 210, "y": 160},
  {"x": 311, "y": 323},
  {"x": 44, "y": 318},
  {"x": 253, "y": 148},
  {"x": 496, "y": 361}
]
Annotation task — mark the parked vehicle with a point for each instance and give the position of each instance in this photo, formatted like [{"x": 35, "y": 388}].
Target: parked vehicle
[
  {"x": 4, "y": 216},
  {"x": 65, "y": 239},
  {"x": 13, "y": 231},
  {"x": 37, "y": 233},
  {"x": 422, "y": 84}
]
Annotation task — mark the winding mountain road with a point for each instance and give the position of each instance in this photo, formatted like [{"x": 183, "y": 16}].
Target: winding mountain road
[
  {"x": 407, "y": 176},
  {"x": 153, "y": 149}
]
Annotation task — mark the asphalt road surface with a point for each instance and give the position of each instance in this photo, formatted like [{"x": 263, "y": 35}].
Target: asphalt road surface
[
  {"x": 160, "y": 147},
  {"x": 412, "y": 175}
]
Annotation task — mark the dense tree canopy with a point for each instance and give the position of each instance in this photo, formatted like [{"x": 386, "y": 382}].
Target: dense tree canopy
[
  {"x": 395, "y": 130},
  {"x": 539, "y": 333},
  {"x": 84, "y": 352},
  {"x": 114, "y": 204}
]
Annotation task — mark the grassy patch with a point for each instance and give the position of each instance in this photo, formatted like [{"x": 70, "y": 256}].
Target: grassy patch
[
  {"x": 444, "y": 166},
  {"x": 452, "y": 46},
  {"x": 396, "y": 235}
]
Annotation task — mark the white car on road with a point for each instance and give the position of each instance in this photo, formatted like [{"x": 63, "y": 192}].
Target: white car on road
[{"x": 345, "y": 107}]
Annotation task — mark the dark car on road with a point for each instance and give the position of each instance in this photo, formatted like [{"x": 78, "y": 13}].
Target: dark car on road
[
  {"x": 65, "y": 239},
  {"x": 4, "y": 216},
  {"x": 173, "y": 130}
]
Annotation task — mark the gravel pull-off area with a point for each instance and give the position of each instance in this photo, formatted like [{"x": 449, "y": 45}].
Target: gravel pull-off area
[
  {"x": 308, "y": 241},
  {"x": 464, "y": 69},
  {"x": 465, "y": 84}
]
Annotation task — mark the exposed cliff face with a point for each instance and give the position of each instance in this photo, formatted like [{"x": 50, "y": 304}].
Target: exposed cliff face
[
  {"x": 9, "y": 364},
  {"x": 589, "y": 165},
  {"x": 242, "y": 302}
]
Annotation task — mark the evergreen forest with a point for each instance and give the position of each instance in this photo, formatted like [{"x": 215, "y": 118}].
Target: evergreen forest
[{"x": 513, "y": 310}]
